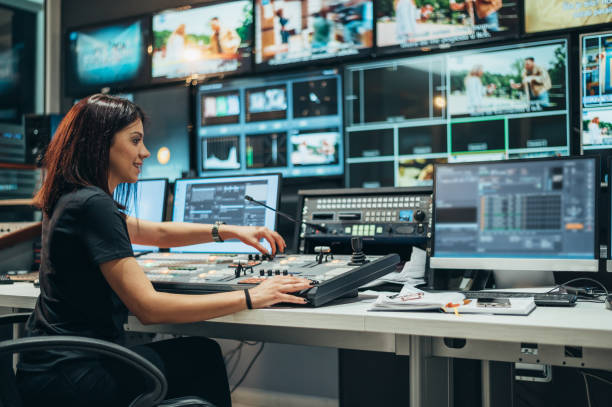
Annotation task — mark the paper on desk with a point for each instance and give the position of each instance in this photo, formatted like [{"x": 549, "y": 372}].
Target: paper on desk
[
  {"x": 412, "y": 272},
  {"x": 411, "y": 298}
]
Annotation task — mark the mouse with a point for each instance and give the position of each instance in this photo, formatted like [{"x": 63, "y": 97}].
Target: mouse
[{"x": 608, "y": 301}]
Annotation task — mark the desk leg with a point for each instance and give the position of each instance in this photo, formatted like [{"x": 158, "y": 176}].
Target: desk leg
[
  {"x": 497, "y": 384},
  {"x": 430, "y": 377}
]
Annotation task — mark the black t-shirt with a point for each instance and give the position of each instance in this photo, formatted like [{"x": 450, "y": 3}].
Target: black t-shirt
[{"x": 85, "y": 230}]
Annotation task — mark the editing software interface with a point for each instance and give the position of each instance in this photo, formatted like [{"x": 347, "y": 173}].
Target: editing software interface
[
  {"x": 404, "y": 116},
  {"x": 210, "y": 200},
  {"x": 149, "y": 205},
  {"x": 596, "y": 85},
  {"x": 290, "y": 124},
  {"x": 516, "y": 209}
]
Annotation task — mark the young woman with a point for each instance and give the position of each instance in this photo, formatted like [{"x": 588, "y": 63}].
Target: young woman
[{"x": 89, "y": 278}]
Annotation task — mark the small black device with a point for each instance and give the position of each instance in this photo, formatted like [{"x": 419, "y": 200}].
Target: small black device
[{"x": 493, "y": 302}]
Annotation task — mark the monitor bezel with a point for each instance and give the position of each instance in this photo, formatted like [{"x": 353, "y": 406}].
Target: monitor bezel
[
  {"x": 278, "y": 198},
  {"x": 519, "y": 264},
  {"x": 580, "y": 55},
  {"x": 75, "y": 91},
  {"x": 204, "y": 77}
]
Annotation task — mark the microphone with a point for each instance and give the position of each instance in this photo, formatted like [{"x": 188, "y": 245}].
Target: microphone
[{"x": 284, "y": 215}]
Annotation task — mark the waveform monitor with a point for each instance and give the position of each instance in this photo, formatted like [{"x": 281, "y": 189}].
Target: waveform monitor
[
  {"x": 208, "y": 200},
  {"x": 148, "y": 203},
  {"x": 516, "y": 215}
]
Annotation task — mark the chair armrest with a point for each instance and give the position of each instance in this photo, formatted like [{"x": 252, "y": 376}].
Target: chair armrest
[
  {"x": 16, "y": 318},
  {"x": 65, "y": 342}
]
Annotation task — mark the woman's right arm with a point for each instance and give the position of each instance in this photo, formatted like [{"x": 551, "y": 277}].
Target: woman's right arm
[{"x": 128, "y": 280}]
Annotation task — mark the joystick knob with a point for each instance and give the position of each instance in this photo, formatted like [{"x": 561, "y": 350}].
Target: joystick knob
[{"x": 358, "y": 258}]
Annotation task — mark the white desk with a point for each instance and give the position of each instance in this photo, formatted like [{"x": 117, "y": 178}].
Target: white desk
[{"x": 541, "y": 337}]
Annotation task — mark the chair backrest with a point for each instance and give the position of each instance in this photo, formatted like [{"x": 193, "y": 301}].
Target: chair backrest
[{"x": 9, "y": 393}]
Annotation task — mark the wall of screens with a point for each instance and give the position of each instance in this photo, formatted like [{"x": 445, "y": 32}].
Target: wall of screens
[
  {"x": 404, "y": 115},
  {"x": 549, "y": 15},
  {"x": 290, "y": 124}
]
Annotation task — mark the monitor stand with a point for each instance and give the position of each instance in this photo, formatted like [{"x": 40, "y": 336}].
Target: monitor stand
[{"x": 523, "y": 278}]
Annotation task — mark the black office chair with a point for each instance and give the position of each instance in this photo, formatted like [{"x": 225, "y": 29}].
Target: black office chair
[{"x": 9, "y": 394}]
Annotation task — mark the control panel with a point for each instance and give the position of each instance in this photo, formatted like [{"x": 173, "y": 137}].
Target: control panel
[{"x": 383, "y": 215}]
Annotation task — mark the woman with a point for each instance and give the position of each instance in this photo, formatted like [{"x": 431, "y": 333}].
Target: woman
[{"x": 89, "y": 278}]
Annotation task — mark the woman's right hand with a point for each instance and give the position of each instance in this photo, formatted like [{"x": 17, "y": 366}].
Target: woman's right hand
[{"x": 276, "y": 289}]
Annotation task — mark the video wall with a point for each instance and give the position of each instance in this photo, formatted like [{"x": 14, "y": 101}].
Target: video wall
[
  {"x": 332, "y": 87},
  {"x": 290, "y": 124},
  {"x": 404, "y": 115}
]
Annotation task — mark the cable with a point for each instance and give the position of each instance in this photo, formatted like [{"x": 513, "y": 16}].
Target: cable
[
  {"x": 579, "y": 279},
  {"x": 248, "y": 368},
  {"x": 586, "y": 385},
  {"x": 597, "y": 377}
]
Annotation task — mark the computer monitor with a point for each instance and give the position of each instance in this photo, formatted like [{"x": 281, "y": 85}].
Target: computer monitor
[
  {"x": 549, "y": 15},
  {"x": 110, "y": 55},
  {"x": 208, "y": 200},
  {"x": 293, "y": 32},
  {"x": 289, "y": 123},
  {"x": 150, "y": 205},
  {"x": 211, "y": 39},
  {"x": 403, "y": 25},
  {"x": 538, "y": 214},
  {"x": 405, "y": 115},
  {"x": 596, "y": 90}
]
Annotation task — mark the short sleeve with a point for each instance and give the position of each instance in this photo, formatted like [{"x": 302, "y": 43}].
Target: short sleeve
[{"x": 104, "y": 231}]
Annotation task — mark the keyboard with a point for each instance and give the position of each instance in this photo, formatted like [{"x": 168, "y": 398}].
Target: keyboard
[{"x": 541, "y": 299}]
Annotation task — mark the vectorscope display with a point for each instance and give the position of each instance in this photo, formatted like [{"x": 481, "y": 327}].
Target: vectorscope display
[
  {"x": 290, "y": 124},
  {"x": 405, "y": 115}
]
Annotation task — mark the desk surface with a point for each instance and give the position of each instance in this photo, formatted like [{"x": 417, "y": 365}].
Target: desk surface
[{"x": 587, "y": 324}]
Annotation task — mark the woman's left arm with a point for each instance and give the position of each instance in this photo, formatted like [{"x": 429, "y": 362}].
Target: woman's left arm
[{"x": 176, "y": 234}]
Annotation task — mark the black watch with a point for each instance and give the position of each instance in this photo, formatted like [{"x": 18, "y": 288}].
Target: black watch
[{"x": 215, "y": 231}]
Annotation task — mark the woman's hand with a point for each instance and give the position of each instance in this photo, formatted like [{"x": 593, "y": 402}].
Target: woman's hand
[
  {"x": 252, "y": 235},
  {"x": 276, "y": 289}
]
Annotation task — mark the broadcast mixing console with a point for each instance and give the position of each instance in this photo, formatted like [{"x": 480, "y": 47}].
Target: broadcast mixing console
[{"x": 334, "y": 276}]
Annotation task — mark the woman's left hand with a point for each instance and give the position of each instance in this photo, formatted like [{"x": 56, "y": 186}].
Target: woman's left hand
[{"x": 252, "y": 236}]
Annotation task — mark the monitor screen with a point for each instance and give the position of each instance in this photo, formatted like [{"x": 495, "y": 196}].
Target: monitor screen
[
  {"x": 208, "y": 200},
  {"x": 596, "y": 86},
  {"x": 290, "y": 124},
  {"x": 18, "y": 51},
  {"x": 299, "y": 31},
  {"x": 405, "y": 24},
  {"x": 150, "y": 205},
  {"x": 482, "y": 104},
  {"x": 548, "y": 15},
  {"x": 207, "y": 40},
  {"x": 113, "y": 55},
  {"x": 525, "y": 211}
]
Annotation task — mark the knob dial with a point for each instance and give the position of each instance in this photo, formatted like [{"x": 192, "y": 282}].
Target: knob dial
[{"x": 419, "y": 216}]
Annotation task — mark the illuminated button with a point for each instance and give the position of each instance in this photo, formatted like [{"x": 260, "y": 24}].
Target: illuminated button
[
  {"x": 379, "y": 229},
  {"x": 347, "y": 230}
]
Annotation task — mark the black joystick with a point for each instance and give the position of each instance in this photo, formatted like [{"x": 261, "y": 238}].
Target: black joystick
[{"x": 358, "y": 258}]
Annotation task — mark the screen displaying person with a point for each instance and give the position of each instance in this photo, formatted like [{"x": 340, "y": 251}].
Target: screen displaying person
[
  {"x": 223, "y": 40},
  {"x": 481, "y": 12},
  {"x": 406, "y": 16},
  {"x": 536, "y": 83}
]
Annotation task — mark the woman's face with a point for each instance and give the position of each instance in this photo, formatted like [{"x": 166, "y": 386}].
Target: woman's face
[{"x": 127, "y": 153}]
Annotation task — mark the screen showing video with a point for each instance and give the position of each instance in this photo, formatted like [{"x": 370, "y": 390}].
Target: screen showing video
[
  {"x": 298, "y": 31},
  {"x": 221, "y": 153},
  {"x": 207, "y": 40},
  {"x": 109, "y": 56},
  {"x": 416, "y": 24},
  {"x": 267, "y": 103},
  {"x": 315, "y": 147},
  {"x": 220, "y": 108},
  {"x": 548, "y": 15},
  {"x": 491, "y": 103},
  {"x": 288, "y": 123},
  {"x": 266, "y": 150},
  {"x": 516, "y": 80}
]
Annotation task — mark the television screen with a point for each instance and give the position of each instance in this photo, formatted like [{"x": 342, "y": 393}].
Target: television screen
[
  {"x": 220, "y": 108},
  {"x": 548, "y": 15},
  {"x": 292, "y": 124},
  {"x": 596, "y": 85},
  {"x": 207, "y": 40},
  {"x": 298, "y": 31},
  {"x": 113, "y": 55},
  {"x": 482, "y": 104},
  {"x": 417, "y": 24},
  {"x": 17, "y": 64}
]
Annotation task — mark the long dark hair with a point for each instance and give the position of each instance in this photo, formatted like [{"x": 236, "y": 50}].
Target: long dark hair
[{"x": 78, "y": 154}]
